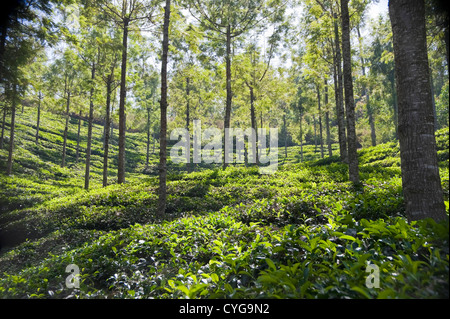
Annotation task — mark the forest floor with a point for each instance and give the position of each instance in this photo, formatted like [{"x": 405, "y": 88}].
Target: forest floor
[{"x": 303, "y": 232}]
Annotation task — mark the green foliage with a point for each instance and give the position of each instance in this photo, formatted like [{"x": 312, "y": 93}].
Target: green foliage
[{"x": 303, "y": 232}]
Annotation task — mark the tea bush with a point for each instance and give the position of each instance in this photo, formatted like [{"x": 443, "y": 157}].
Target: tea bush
[{"x": 303, "y": 232}]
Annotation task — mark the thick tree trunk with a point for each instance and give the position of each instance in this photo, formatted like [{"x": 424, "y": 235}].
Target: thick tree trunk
[
  {"x": 89, "y": 137},
  {"x": 66, "y": 129},
  {"x": 353, "y": 170},
  {"x": 122, "y": 98},
  {"x": 11, "y": 134},
  {"x": 394, "y": 105},
  {"x": 338, "y": 83},
  {"x": 229, "y": 93},
  {"x": 421, "y": 182},
  {"x": 162, "y": 192}
]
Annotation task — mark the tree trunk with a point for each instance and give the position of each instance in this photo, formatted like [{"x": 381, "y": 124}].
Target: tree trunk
[
  {"x": 107, "y": 130},
  {"x": 188, "y": 92},
  {"x": 301, "y": 136},
  {"x": 373, "y": 135},
  {"x": 78, "y": 139},
  {"x": 229, "y": 93},
  {"x": 255, "y": 159},
  {"x": 11, "y": 134},
  {"x": 338, "y": 83},
  {"x": 394, "y": 105},
  {"x": 162, "y": 192},
  {"x": 3, "y": 127},
  {"x": 38, "y": 117},
  {"x": 122, "y": 98},
  {"x": 327, "y": 121},
  {"x": 285, "y": 135},
  {"x": 320, "y": 122},
  {"x": 89, "y": 137},
  {"x": 365, "y": 93},
  {"x": 147, "y": 157},
  {"x": 421, "y": 182},
  {"x": 66, "y": 129},
  {"x": 353, "y": 170}
]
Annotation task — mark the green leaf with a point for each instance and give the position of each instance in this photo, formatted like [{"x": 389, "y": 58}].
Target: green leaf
[
  {"x": 271, "y": 264},
  {"x": 361, "y": 291}
]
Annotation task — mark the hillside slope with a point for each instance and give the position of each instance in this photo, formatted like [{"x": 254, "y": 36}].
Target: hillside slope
[{"x": 304, "y": 231}]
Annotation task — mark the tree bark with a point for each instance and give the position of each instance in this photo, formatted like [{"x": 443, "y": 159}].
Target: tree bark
[
  {"x": 38, "y": 117},
  {"x": 353, "y": 170},
  {"x": 66, "y": 129},
  {"x": 338, "y": 83},
  {"x": 78, "y": 139},
  {"x": 89, "y": 137},
  {"x": 327, "y": 121},
  {"x": 107, "y": 129},
  {"x": 229, "y": 92},
  {"x": 421, "y": 182},
  {"x": 320, "y": 122},
  {"x": 122, "y": 98},
  {"x": 162, "y": 192},
  {"x": 11, "y": 134},
  {"x": 254, "y": 141},
  {"x": 3, "y": 127}
]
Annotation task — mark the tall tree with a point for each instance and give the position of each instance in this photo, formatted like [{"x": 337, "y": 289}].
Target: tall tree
[
  {"x": 162, "y": 192},
  {"x": 229, "y": 19},
  {"x": 353, "y": 169},
  {"x": 125, "y": 13},
  {"x": 421, "y": 182}
]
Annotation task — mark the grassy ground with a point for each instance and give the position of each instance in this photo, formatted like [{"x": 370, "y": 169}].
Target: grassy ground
[{"x": 302, "y": 232}]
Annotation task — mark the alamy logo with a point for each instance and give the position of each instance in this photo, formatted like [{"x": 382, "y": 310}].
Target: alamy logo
[
  {"x": 373, "y": 279},
  {"x": 213, "y": 151},
  {"x": 73, "y": 280}
]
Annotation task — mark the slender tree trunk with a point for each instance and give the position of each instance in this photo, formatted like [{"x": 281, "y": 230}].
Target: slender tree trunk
[
  {"x": 66, "y": 129},
  {"x": 285, "y": 135},
  {"x": 38, "y": 117},
  {"x": 254, "y": 138},
  {"x": 162, "y": 192},
  {"x": 147, "y": 157},
  {"x": 107, "y": 130},
  {"x": 327, "y": 121},
  {"x": 11, "y": 134},
  {"x": 373, "y": 135},
  {"x": 301, "y": 136},
  {"x": 364, "y": 91},
  {"x": 89, "y": 137},
  {"x": 229, "y": 93},
  {"x": 122, "y": 98},
  {"x": 421, "y": 182},
  {"x": 320, "y": 122},
  {"x": 77, "y": 156},
  {"x": 353, "y": 170},
  {"x": 3, "y": 127},
  {"x": 338, "y": 83},
  {"x": 315, "y": 133},
  {"x": 188, "y": 92}
]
